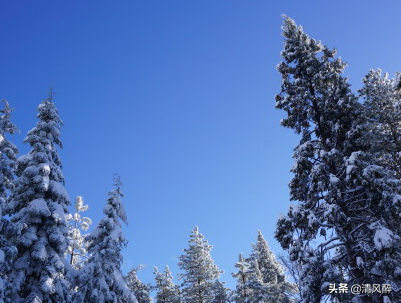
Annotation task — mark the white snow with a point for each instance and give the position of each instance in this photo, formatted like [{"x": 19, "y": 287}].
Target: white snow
[
  {"x": 359, "y": 262},
  {"x": 45, "y": 168},
  {"x": 58, "y": 213},
  {"x": 40, "y": 206},
  {"x": 333, "y": 180},
  {"x": 59, "y": 189},
  {"x": 383, "y": 238}
]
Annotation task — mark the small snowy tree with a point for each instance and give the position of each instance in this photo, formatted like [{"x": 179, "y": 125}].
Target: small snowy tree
[
  {"x": 271, "y": 271},
  {"x": 199, "y": 269},
  {"x": 242, "y": 292},
  {"x": 38, "y": 209},
  {"x": 8, "y": 153},
  {"x": 78, "y": 247},
  {"x": 101, "y": 279},
  {"x": 250, "y": 287},
  {"x": 166, "y": 290},
  {"x": 138, "y": 288}
]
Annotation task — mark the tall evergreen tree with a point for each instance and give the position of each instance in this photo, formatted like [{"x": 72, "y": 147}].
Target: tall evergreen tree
[
  {"x": 138, "y": 288},
  {"x": 250, "y": 287},
  {"x": 242, "y": 292},
  {"x": 343, "y": 192},
  {"x": 271, "y": 271},
  {"x": 199, "y": 270},
  {"x": 382, "y": 110},
  {"x": 38, "y": 209},
  {"x": 77, "y": 246},
  {"x": 166, "y": 290},
  {"x": 101, "y": 279},
  {"x": 8, "y": 153}
]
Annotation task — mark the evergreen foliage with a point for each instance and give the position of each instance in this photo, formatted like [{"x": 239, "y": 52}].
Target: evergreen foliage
[
  {"x": 8, "y": 159},
  {"x": 242, "y": 292},
  {"x": 138, "y": 288},
  {"x": 220, "y": 292},
  {"x": 260, "y": 278},
  {"x": 199, "y": 269},
  {"x": 270, "y": 273},
  {"x": 166, "y": 290},
  {"x": 343, "y": 192},
  {"x": 77, "y": 246},
  {"x": 8, "y": 152},
  {"x": 382, "y": 111},
  {"x": 38, "y": 208},
  {"x": 101, "y": 280}
]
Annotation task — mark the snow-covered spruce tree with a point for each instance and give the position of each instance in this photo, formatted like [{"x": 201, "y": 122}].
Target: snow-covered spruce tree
[
  {"x": 166, "y": 290},
  {"x": 101, "y": 279},
  {"x": 8, "y": 152},
  {"x": 250, "y": 287},
  {"x": 138, "y": 288},
  {"x": 341, "y": 229},
  {"x": 272, "y": 273},
  {"x": 199, "y": 270},
  {"x": 7, "y": 254},
  {"x": 220, "y": 292},
  {"x": 8, "y": 159},
  {"x": 77, "y": 246},
  {"x": 38, "y": 208},
  {"x": 242, "y": 292}
]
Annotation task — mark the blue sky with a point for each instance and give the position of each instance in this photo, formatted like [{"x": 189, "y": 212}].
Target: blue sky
[{"x": 178, "y": 98}]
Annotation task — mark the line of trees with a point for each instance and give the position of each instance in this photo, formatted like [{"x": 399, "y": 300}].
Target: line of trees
[
  {"x": 260, "y": 278},
  {"x": 46, "y": 256},
  {"x": 43, "y": 256}
]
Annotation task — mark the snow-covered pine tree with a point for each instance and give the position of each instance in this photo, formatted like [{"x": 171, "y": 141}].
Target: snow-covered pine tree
[
  {"x": 199, "y": 270},
  {"x": 166, "y": 290},
  {"x": 220, "y": 292},
  {"x": 343, "y": 194},
  {"x": 255, "y": 283},
  {"x": 138, "y": 288},
  {"x": 101, "y": 279},
  {"x": 242, "y": 292},
  {"x": 38, "y": 208},
  {"x": 7, "y": 254},
  {"x": 8, "y": 152},
  {"x": 77, "y": 246},
  {"x": 8, "y": 159},
  {"x": 382, "y": 109},
  {"x": 278, "y": 289}
]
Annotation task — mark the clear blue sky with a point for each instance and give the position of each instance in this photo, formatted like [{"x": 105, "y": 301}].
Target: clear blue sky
[{"x": 178, "y": 98}]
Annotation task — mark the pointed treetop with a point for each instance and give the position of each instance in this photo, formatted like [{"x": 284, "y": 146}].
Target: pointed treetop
[
  {"x": 114, "y": 207},
  {"x": 50, "y": 94},
  {"x": 5, "y": 125}
]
